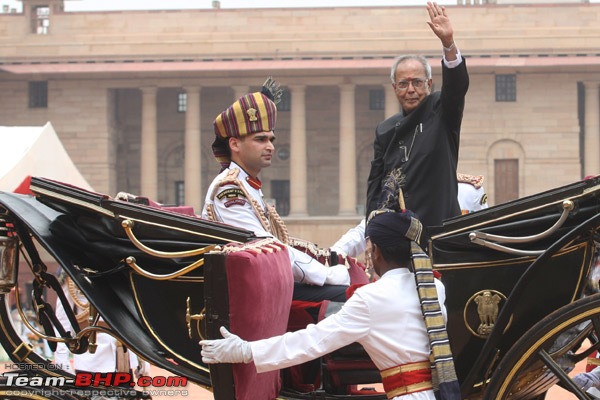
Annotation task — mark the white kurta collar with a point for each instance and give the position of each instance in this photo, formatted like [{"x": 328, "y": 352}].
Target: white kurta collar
[{"x": 396, "y": 271}]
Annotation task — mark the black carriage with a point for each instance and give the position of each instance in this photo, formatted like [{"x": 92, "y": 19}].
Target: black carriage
[{"x": 516, "y": 275}]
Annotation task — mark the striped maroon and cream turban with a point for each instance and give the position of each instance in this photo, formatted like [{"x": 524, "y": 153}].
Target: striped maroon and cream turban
[{"x": 251, "y": 113}]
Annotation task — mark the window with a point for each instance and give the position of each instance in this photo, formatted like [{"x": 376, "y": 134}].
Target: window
[
  {"x": 283, "y": 152},
  {"x": 40, "y": 20},
  {"x": 38, "y": 94},
  {"x": 506, "y": 87},
  {"x": 376, "y": 99},
  {"x": 179, "y": 193},
  {"x": 280, "y": 191},
  {"x": 181, "y": 102},
  {"x": 506, "y": 180},
  {"x": 285, "y": 103}
]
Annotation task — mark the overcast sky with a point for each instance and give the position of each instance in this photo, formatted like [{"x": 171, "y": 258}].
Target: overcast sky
[{"x": 96, "y": 5}]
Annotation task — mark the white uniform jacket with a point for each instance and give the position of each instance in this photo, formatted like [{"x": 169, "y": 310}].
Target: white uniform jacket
[
  {"x": 231, "y": 207},
  {"x": 384, "y": 316}
]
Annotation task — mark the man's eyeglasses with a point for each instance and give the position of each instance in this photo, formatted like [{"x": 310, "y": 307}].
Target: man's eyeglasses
[{"x": 417, "y": 83}]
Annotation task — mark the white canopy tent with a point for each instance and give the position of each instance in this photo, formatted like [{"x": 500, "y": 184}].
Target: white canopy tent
[{"x": 35, "y": 151}]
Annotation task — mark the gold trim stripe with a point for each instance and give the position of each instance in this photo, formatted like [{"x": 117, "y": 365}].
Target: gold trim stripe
[
  {"x": 262, "y": 111},
  {"x": 240, "y": 118},
  {"x": 405, "y": 368},
  {"x": 408, "y": 389},
  {"x": 220, "y": 126}
]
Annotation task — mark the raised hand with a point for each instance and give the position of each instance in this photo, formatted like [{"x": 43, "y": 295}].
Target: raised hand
[{"x": 440, "y": 24}]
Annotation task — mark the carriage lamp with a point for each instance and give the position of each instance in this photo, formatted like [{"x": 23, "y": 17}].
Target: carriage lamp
[{"x": 9, "y": 260}]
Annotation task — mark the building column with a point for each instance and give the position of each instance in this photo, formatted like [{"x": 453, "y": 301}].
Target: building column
[
  {"x": 392, "y": 106},
  {"x": 149, "y": 154},
  {"x": 192, "y": 146},
  {"x": 298, "y": 158},
  {"x": 347, "y": 156},
  {"x": 592, "y": 129}
]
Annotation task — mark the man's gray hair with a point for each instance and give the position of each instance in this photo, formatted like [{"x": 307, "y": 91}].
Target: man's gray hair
[{"x": 401, "y": 59}]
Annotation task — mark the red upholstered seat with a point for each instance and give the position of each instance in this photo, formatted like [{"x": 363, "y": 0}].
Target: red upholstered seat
[{"x": 260, "y": 285}]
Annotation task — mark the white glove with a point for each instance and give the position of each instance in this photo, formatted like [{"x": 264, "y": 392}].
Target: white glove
[
  {"x": 337, "y": 275},
  {"x": 231, "y": 349},
  {"x": 587, "y": 380}
]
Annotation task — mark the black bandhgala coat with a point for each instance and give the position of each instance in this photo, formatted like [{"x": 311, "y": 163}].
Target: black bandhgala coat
[{"x": 424, "y": 144}]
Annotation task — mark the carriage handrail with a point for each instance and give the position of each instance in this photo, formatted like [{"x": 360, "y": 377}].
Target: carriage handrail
[
  {"x": 128, "y": 227},
  {"x": 165, "y": 277},
  {"x": 506, "y": 249},
  {"x": 482, "y": 238},
  {"x": 513, "y": 299}
]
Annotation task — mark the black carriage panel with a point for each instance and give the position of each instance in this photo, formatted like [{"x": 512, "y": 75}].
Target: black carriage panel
[
  {"x": 165, "y": 310},
  {"x": 557, "y": 283},
  {"x": 516, "y": 254}
]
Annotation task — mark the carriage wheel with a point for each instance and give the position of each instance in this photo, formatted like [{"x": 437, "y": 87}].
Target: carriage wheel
[{"x": 546, "y": 353}]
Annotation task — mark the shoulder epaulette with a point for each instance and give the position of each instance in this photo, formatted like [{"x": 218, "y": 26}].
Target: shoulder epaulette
[{"x": 231, "y": 178}]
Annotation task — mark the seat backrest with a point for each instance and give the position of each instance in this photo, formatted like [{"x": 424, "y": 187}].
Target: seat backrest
[{"x": 259, "y": 284}]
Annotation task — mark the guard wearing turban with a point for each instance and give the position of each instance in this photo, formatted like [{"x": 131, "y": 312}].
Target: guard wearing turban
[
  {"x": 251, "y": 113},
  {"x": 390, "y": 229},
  {"x": 243, "y": 146}
]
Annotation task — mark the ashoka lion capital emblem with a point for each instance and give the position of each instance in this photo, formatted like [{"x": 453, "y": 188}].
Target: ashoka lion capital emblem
[
  {"x": 252, "y": 112},
  {"x": 487, "y": 305}
]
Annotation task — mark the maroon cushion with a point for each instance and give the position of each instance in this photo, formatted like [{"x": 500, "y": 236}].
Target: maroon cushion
[{"x": 260, "y": 295}]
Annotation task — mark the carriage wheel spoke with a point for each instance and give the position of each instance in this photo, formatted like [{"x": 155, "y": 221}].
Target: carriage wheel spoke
[
  {"x": 596, "y": 323},
  {"x": 565, "y": 381},
  {"x": 592, "y": 336},
  {"x": 591, "y": 332}
]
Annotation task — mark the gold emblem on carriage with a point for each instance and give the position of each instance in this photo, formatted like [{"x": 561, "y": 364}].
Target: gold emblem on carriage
[{"x": 481, "y": 312}]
